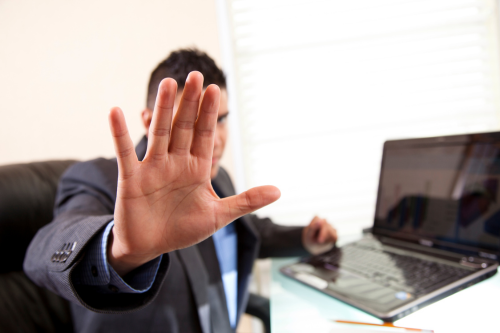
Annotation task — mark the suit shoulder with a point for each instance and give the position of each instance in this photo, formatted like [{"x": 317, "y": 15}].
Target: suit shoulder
[
  {"x": 94, "y": 169},
  {"x": 99, "y": 174},
  {"x": 91, "y": 180}
]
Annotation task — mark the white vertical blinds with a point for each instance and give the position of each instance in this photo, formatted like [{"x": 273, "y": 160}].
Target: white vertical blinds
[{"x": 321, "y": 85}]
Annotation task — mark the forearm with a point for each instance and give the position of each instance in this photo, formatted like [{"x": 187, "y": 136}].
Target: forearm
[
  {"x": 277, "y": 240},
  {"x": 94, "y": 269},
  {"x": 59, "y": 277},
  {"x": 46, "y": 270}
]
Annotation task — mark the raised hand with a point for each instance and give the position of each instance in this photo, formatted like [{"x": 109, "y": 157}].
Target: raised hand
[{"x": 166, "y": 202}]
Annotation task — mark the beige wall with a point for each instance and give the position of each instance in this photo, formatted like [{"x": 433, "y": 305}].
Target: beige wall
[{"x": 65, "y": 63}]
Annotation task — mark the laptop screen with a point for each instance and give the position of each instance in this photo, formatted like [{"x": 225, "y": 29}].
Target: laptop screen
[{"x": 442, "y": 192}]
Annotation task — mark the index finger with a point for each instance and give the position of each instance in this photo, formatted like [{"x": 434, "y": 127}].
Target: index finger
[{"x": 124, "y": 147}]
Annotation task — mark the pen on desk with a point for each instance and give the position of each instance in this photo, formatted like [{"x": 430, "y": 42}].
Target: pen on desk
[{"x": 384, "y": 325}]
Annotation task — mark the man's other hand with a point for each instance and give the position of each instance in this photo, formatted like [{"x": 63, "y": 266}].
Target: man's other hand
[
  {"x": 319, "y": 236},
  {"x": 166, "y": 202}
]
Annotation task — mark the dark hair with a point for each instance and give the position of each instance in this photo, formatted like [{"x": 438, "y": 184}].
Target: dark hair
[{"x": 178, "y": 65}]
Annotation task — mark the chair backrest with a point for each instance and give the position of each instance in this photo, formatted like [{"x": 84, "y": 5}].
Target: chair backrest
[{"x": 27, "y": 194}]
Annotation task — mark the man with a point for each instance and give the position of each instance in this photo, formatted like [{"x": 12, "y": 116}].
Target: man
[{"x": 135, "y": 233}]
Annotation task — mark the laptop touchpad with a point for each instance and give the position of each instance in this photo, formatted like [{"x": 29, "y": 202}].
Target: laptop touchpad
[{"x": 343, "y": 283}]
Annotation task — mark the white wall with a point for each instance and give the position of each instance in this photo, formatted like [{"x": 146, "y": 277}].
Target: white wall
[{"x": 65, "y": 63}]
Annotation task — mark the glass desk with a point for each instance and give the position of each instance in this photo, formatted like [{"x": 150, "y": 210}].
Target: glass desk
[{"x": 298, "y": 308}]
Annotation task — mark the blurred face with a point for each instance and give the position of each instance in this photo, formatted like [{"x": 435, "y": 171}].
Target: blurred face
[{"x": 220, "y": 131}]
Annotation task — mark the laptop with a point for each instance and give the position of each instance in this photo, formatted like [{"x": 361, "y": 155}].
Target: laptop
[{"x": 436, "y": 228}]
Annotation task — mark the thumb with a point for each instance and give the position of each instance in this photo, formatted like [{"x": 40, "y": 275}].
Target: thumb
[{"x": 231, "y": 208}]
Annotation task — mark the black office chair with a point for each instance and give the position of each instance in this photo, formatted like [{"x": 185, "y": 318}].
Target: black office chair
[
  {"x": 258, "y": 307},
  {"x": 27, "y": 193}
]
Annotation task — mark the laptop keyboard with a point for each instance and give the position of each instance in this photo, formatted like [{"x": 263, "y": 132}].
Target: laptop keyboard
[{"x": 410, "y": 274}]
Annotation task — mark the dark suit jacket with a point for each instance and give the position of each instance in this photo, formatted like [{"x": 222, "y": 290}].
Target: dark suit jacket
[{"x": 187, "y": 294}]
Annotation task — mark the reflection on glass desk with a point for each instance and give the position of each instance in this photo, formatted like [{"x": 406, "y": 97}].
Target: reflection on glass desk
[{"x": 298, "y": 308}]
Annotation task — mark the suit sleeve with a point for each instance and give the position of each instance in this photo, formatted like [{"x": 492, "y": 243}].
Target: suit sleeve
[
  {"x": 84, "y": 207},
  {"x": 277, "y": 240},
  {"x": 94, "y": 269}
]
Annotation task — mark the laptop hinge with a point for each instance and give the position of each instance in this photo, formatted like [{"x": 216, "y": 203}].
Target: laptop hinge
[{"x": 467, "y": 261}]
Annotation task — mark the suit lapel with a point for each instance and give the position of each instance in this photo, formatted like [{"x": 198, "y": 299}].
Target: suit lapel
[
  {"x": 248, "y": 242},
  {"x": 216, "y": 293},
  {"x": 198, "y": 279},
  {"x": 248, "y": 247}
]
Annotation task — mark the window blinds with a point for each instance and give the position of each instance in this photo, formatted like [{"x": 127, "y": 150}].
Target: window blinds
[{"x": 320, "y": 85}]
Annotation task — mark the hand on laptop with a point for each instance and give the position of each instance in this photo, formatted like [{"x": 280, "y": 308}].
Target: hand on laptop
[
  {"x": 319, "y": 236},
  {"x": 166, "y": 202}
]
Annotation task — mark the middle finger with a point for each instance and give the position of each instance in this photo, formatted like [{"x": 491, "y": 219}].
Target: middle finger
[{"x": 184, "y": 119}]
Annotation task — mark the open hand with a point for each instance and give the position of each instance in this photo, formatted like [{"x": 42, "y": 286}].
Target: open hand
[
  {"x": 319, "y": 236},
  {"x": 166, "y": 202}
]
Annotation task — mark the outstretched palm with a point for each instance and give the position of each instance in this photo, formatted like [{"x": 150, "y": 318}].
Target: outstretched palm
[{"x": 166, "y": 202}]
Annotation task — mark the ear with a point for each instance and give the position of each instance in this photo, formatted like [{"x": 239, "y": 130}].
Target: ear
[{"x": 146, "y": 116}]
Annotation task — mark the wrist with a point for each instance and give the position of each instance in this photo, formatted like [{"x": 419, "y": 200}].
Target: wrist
[{"x": 122, "y": 259}]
